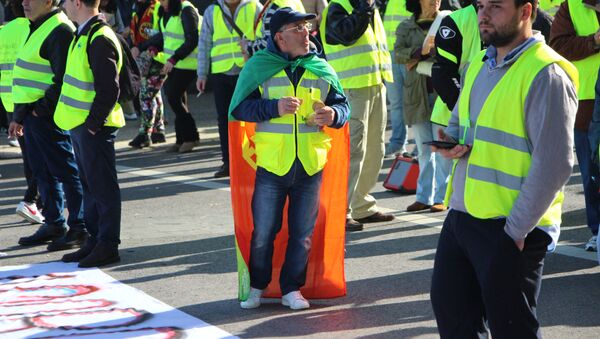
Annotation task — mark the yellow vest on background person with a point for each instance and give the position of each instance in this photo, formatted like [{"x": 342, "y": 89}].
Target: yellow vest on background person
[
  {"x": 12, "y": 38},
  {"x": 501, "y": 154},
  {"x": 395, "y": 12},
  {"x": 547, "y": 5},
  {"x": 466, "y": 22},
  {"x": 365, "y": 63},
  {"x": 293, "y": 4},
  {"x": 77, "y": 93},
  {"x": 225, "y": 52},
  {"x": 586, "y": 23},
  {"x": 279, "y": 141},
  {"x": 32, "y": 74},
  {"x": 173, "y": 38}
]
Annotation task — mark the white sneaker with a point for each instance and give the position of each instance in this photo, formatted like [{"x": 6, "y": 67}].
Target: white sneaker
[
  {"x": 13, "y": 141},
  {"x": 295, "y": 301},
  {"x": 30, "y": 212},
  {"x": 253, "y": 300},
  {"x": 592, "y": 244}
]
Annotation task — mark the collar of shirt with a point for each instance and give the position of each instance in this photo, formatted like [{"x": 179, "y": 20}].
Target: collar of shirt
[
  {"x": 512, "y": 56},
  {"x": 84, "y": 24}
]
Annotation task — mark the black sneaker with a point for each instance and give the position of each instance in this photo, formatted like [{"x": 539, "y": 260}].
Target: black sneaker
[
  {"x": 81, "y": 253},
  {"x": 158, "y": 137},
  {"x": 73, "y": 238},
  {"x": 102, "y": 254},
  {"x": 140, "y": 141},
  {"x": 223, "y": 171},
  {"x": 44, "y": 234}
]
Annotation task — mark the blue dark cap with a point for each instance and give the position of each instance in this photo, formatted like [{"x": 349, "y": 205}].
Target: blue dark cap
[{"x": 286, "y": 15}]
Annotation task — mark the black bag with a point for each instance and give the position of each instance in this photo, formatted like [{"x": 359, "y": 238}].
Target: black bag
[{"x": 130, "y": 76}]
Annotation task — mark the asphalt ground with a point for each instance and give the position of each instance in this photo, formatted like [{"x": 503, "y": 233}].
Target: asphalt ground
[{"x": 178, "y": 246}]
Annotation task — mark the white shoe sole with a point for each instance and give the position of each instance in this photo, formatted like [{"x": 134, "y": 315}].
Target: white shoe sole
[
  {"x": 30, "y": 218},
  {"x": 249, "y": 307},
  {"x": 303, "y": 307}
]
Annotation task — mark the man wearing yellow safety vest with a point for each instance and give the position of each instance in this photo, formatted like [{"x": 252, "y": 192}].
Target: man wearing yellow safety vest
[
  {"x": 291, "y": 94},
  {"x": 395, "y": 12},
  {"x": 355, "y": 45},
  {"x": 514, "y": 126},
  {"x": 576, "y": 36},
  {"x": 88, "y": 107},
  {"x": 36, "y": 83},
  {"x": 225, "y": 24}
]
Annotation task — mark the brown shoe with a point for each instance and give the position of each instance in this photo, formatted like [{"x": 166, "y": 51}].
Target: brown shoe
[
  {"x": 353, "y": 225},
  {"x": 377, "y": 217},
  {"x": 188, "y": 146},
  {"x": 417, "y": 206},
  {"x": 438, "y": 207}
]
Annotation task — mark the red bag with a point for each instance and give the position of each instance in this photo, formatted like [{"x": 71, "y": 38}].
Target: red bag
[{"x": 403, "y": 175}]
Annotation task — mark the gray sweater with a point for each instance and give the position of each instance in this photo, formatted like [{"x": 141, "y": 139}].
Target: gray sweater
[{"x": 550, "y": 108}]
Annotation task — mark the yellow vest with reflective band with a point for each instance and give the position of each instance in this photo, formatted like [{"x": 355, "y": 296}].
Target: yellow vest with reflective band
[
  {"x": 12, "y": 38},
  {"x": 77, "y": 93},
  {"x": 279, "y": 141},
  {"x": 226, "y": 52},
  {"x": 365, "y": 63},
  {"x": 395, "y": 12},
  {"x": 501, "y": 155},
  {"x": 585, "y": 21},
  {"x": 549, "y": 4},
  {"x": 173, "y": 38},
  {"x": 32, "y": 74},
  {"x": 293, "y": 4},
  {"x": 466, "y": 22}
]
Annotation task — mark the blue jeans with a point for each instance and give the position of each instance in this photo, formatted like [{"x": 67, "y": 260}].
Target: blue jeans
[
  {"x": 50, "y": 156},
  {"x": 395, "y": 93},
  {"x": 433, "y": 167},
  {"x": 589, "y": 176},
  {"x": 101, "y": 193},
  {"x": 270, "y": 193}
]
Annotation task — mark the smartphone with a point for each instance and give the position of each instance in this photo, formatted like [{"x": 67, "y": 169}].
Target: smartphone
[{"x": 441, "y": 144}]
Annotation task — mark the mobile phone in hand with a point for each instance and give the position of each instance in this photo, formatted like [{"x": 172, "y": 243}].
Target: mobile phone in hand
[{"x": 441, "y": 144}]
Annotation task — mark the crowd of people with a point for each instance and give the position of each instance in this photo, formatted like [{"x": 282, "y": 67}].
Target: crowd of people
[{"x": 510, "y": 87}]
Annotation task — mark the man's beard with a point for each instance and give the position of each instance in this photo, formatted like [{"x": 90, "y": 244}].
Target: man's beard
[{"x": 503, "y": 35}]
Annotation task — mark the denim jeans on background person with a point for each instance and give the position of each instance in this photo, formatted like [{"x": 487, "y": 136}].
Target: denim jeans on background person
[
  {"x": 395, "y": 93},
  {"x": 589, "y": 177},
  {"x": 270, "y": 193},
  {"x": 52, "y": 161},
  {"x": 433, "y": 167}
]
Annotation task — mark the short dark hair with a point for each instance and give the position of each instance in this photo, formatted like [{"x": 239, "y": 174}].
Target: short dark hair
[
  {"x": 91, "y": 3},
  {"x": 414, "y": 6},
  {"x": 534, "y": 6}
]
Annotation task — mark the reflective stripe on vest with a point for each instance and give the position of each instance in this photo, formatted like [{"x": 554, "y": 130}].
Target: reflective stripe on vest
[
  {"x": 466, "y": 22},
  {"x": 279, "y": 141},
  {"x": 12, "y": 39},
  {"x": 586, "y": 23},
  {"x": 501, "y": 154},
  {"x": 395, "y": 12},
  {"x": 78, "y": 93},
  {"x": 367, "y": 62},
  {"x": 32, "y": 74},
  {"x": 225, "y": 51},
  {"x": 293, "y": 4},
  {"x": 173, "y": 37}
]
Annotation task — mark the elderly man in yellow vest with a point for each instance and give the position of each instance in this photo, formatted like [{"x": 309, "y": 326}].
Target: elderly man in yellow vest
[
  {"x": 354, "y": 39},
  {"x": 514, "y": 126},
  {"x": 225, "y": 24},
  {"x": 575, "y": 35}
]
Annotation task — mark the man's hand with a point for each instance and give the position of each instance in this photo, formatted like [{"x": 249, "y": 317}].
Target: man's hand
[
  {"x": 15, "y": 129},
  {"x": 288, "y": 105},
  {"x": 324, "y": 116},
  {"x": 201, "y": 85},
  {"x": 135, "y": 52},
  {"x": 456, "y": 152},
  {"x": 167, "y": 68},
  {"x": 520, "y": 244}
]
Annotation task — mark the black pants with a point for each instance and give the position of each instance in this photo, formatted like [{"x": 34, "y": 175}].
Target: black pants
[
  {"x": 223, "y": 86},
  {"x": 480, "y": 276},
  {"x": 176, "y": 85},
  {"x": 31, "y": 194}
]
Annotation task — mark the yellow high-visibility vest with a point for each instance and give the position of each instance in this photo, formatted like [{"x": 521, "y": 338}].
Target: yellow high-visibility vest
[
  {"x": 585, "y": 21},
  {"x": 173, "y": 38},
  {"x": 395, "y": 12},
  {"x": 12, "y": 38}
]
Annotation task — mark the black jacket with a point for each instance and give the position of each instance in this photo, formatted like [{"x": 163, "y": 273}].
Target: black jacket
[
  {"x": 345, "y": 29},
  {"x": 54, "y": 49}
]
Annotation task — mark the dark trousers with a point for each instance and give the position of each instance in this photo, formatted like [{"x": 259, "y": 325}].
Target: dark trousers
[
  {"x": 223, "y": 86},
  {"x": 31, "y": 193},
  {"x": 101, "y": 194},
  {"x": 590, "y": 177},
  {"x": 270, "y": 194},
  {"x": 176, "y": 85},
  {"x": 50, "y": 155},
  {"x": 480, "y": 276}
]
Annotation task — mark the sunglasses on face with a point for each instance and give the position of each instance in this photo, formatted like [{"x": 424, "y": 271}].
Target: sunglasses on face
[{"x": 299, "y": 28}]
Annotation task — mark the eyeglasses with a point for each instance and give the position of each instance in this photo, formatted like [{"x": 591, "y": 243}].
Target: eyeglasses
[{"x": 299, "y": 28}]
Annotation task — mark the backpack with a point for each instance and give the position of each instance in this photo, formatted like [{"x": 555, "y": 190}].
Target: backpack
[{"x": 130, "y": 76}]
